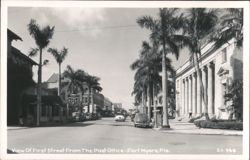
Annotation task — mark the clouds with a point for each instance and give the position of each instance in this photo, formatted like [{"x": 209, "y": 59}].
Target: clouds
[
  {"x": 81, "y": 18},
  {"x": 87, "y": 21}
]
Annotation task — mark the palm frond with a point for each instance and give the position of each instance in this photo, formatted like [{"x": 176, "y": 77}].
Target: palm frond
[
  {"x": 42, "y": 36},
  {"x": 147, "y": 22},
  {"x": 33, "y": 52},
  {"x": 64, "y": 53}
]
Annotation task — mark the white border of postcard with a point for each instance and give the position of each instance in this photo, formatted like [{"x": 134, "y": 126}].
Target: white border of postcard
[{"x": 122, "y": 4}]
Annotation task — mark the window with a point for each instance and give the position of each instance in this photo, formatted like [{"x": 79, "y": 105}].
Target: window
[{"x": 224, "y": 55}]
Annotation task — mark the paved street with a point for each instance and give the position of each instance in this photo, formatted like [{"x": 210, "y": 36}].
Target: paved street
[{"x": 107, "y": 136}]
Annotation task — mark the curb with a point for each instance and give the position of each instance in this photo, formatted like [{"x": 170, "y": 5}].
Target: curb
[{"x": 195, "y": 133}]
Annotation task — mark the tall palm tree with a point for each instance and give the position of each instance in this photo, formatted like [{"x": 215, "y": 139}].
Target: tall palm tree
[
  {"x": 93, "y": 84},
  {"x": 163, "y": 30},
  {"x": 60, "y": 57},
  {"x": 199, "y": 23},
  {"x": 42, "y": 38},
  {"x": 148, "y": 68}
]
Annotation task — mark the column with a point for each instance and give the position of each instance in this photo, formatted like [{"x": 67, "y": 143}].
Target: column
[
  {"x": 189, "y": 94},
  {"x": 194, "y": 95},
  {"x": 198, "y": 94},
  {"x": 210, "y": 86},
  {"x": 183, "y": 97},
  {"x": 186, "y": 96},
  {"x": 204, "y": 82}
]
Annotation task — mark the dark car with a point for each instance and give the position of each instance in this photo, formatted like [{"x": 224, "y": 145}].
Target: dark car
[{"x": 142, "y": 120}]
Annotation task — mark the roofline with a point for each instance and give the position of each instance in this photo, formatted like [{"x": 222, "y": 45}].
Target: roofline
[{"x": 15, "y": 36}]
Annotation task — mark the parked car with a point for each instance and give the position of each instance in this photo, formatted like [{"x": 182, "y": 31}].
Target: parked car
[
  {"x": 77, "y": 116},
  {"x": 142, "y": 120},
  {"x": 120, "y": 118},
  {"x": 88, "y": 116}
]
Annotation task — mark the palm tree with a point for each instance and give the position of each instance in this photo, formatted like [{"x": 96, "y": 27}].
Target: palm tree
[
  {"x": 199, "y": 23},
  {"x": 147, "y": 75},
  {"x": 75, "y": 83},
  {"x": 75, "y": 78},
  {"x": 59, "y": 56},
  {"x": 42, "y": 38},
  {"x": 231, "y": 26},
  {"x": 163, "y": 30},
  {"x": 93, "y": 84}
]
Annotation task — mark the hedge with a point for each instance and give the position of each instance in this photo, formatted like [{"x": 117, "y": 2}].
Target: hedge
[{"x": 219, "y": 124}]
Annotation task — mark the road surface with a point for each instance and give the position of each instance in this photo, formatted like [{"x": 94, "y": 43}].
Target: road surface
[{"x": 106, "y": 136}]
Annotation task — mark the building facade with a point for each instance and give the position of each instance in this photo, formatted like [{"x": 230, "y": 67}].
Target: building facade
[
  {"x": 219, "y": 67},
  {"x": 19, "y": 78},
  {"x": 89, "y": 101}
]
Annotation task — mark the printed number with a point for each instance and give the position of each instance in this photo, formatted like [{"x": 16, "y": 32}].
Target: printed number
[{"x": 226, "y": 150}]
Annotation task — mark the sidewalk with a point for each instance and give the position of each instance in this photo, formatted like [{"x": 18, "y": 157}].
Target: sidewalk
[{"x": 190, "y": 128}]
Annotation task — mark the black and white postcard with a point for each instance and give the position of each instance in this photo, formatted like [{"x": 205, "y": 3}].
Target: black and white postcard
[{"x": 125, "y": 80}]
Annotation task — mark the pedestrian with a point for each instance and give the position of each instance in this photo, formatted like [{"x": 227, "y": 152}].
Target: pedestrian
[{"x": 190, "y": 114}]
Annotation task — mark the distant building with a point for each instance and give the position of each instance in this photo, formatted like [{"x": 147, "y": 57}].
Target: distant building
[
  {"x": 117, "y": 107},
  {"x": 94, "y": 102},
  {"x": 218, "y": 67}
]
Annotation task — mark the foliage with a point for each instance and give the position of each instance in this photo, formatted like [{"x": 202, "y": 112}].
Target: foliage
[
  {"x": 75, "y": 79},
  {"x": 231, "y": 26},
  {"x": 59, "y": 55},
  {"x": 232, "y": 125},
  {"x": 235, "y": 96},
  {"x": 42, "y": 36}
]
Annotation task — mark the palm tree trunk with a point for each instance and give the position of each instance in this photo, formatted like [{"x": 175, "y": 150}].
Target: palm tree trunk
[
  {"x": 143, "y": 101},
  {"x": 196, "y": 61},
  {"x": 154, "y": 102},
  {"x": 59, "y": 84},
  {"x": 39, "y": 89},
  {"x": 164, "y": 89},
  {"x": 149, "y": 101},
  {"x": 204, "y": 99}
]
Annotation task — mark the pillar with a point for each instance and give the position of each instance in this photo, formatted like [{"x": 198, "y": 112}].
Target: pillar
[
  {"x": 189, "y": 94},
  {"x": 194, "y": 95},
  {"x": 198, "y": 95},
  {"x": 186, "y": 96},
  {"x": 183, "y": 97},
  {"x": 210, "y": 86},
  {"x": 204, "y": 82}
]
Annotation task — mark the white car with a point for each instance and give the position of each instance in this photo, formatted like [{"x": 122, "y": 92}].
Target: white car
[{"x": 120, "y": 118}]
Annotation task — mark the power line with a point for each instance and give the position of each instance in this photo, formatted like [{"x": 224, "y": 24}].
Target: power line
[
  {"x": 94, "y": 28},
  {"x": 100, "y": 28}
]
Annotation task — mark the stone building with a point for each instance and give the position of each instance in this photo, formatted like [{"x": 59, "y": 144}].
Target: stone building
[{"x": 219, "y": 67}]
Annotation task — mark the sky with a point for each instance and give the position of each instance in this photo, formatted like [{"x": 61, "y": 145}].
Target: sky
[{"x": 102, "y": 41}]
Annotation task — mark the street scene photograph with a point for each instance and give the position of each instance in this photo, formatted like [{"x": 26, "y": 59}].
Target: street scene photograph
[{"x": 114, "y": 80}]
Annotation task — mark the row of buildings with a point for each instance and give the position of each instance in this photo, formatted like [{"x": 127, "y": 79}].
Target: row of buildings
[{"x": 22, "y": 93}]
